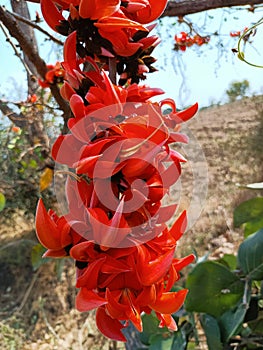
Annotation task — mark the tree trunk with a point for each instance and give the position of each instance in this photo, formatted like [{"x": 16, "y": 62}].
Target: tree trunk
[{"x": 21, "y": 8}]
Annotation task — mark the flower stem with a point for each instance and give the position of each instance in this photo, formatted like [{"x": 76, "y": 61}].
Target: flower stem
[{"x": 112, "y": 69}]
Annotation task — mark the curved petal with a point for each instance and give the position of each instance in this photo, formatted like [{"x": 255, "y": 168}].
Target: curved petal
[
  {"x": 179, "y": 226},
  {"x": 51, "y": 253},
  {"x": 89, "y": 276},
  {"x": 77, "y": 106},
  {"x": 87, "y": 300},
  {"x": 153, "y": 271},
  {"x": 108, "y": 326},
  {"x": 67, "y": 91},
  {"x": 181, "y": 263},
  {"x": 170, "y": 302},
  {"x": 110, "y": 24},
  {"x": 51, "y": 13},
  {"x": 46, "y": 229},
  {"x": 186, "y": 114},
  {"x": 69, "y": 51},
  {"x": 95, "y": 9},
  {"x": 66, "y": 150},
  {"x": 151, "y": 12},
  {"x": 167, "y": 321},
  {"x": 83, "y": 251}
]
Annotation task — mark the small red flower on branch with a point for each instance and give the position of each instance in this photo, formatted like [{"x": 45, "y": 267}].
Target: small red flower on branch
[
  {"x": 184, "y": 40},
  {"x": 54, "y": 75}
]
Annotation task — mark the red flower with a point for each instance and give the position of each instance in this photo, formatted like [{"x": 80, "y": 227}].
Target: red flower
[
  {"x": 143, "y": 11},
  {"x": 120, "y": 165},
  {"x": 124, "y": 283},
  {"x": 16, "y": 129},
  {"x": 54, "y": 232},
  {"x": 235, "y": 34},
  {"x": 54, "y": 75}
]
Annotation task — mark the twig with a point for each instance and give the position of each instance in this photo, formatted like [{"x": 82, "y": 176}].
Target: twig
[
  {"x": 28, "y": 150},
  {"x": 34, "y": 25},
  {"x": 9, "y": 40},
  {"x": 50, "y": 328},
  {"x": 27, "y": 293}
]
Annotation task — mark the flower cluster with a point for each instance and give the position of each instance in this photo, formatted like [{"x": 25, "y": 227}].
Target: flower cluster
[
  {"x": 184, "y": 40},
  {"x": 120, "y": 167},
  {"x": 111, "y": 28}
]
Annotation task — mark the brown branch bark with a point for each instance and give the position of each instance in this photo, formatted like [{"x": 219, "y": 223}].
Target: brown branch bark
[
  {"x": 18, "y": 119},
  {"x": 187, "y": 7},
  {"x": 21, "y": 7},
  {"x": 15, "y": 31},
  {"x": 35, "y": 26},
  {"x": 32, "y": 54}
]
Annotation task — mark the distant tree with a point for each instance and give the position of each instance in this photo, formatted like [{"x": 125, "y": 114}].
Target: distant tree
[{"x": 237, "y": 89}]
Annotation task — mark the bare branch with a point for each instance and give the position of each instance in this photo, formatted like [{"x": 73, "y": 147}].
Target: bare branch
[
  {"x": 11, "y": 24},
  {"x": 187, "y": 7},
  {"x": 35, "y": 26},
  {"x": 17, "y": 53},
  {"x": 32, "y": 53},
  {"x": 18, "y": 119}
]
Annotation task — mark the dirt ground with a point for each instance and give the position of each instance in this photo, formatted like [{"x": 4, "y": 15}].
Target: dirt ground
[{"x": 37, "y": 307}]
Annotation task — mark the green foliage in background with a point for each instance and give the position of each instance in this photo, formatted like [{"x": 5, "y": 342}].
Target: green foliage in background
[{"x": 237, "y": 89}]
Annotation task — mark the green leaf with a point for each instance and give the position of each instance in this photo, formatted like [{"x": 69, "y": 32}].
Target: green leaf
[
  {"x": 36, "y": 256},
  {"x": 231, "y": 321},
  {"x": 160, "y": 342},
  {"x": 257, "y": 325},
  {"x": 33, "y": 163},
  {"x": 179, "y": 341},
  {"x": 212, "y": 332},
  {"x": 150, "y": 327},
  {"x": 2, "y": 201},
  {"x": 180, "y": 337},
  {"x": 250, "y": 256},
  {"x": 228, "y": 260},
  {"x": 213, "y": 289},
  {"x": 248, "y": 211},
  {"x": 253, "y": 226}
]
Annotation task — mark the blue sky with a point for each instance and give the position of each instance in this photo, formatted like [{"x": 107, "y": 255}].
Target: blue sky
[{"x": 198, "y": 74}]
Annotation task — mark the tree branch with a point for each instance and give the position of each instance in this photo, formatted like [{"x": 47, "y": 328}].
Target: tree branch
[
  {"x": 32, "y": 53},
  {"x": 9, "y": 40},
  {"x": 35, "y": 26},
  {"x": 11, "y": 24},
  {"x": 187, "y": 7},
  {"x": 18, "y": 119}
]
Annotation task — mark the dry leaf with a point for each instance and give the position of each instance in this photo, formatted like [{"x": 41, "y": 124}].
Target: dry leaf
[{"x": 46, "y": 179}]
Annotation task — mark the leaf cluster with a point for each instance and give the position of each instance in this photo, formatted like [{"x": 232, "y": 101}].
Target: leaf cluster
[{"x": 225, "y": 296}]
